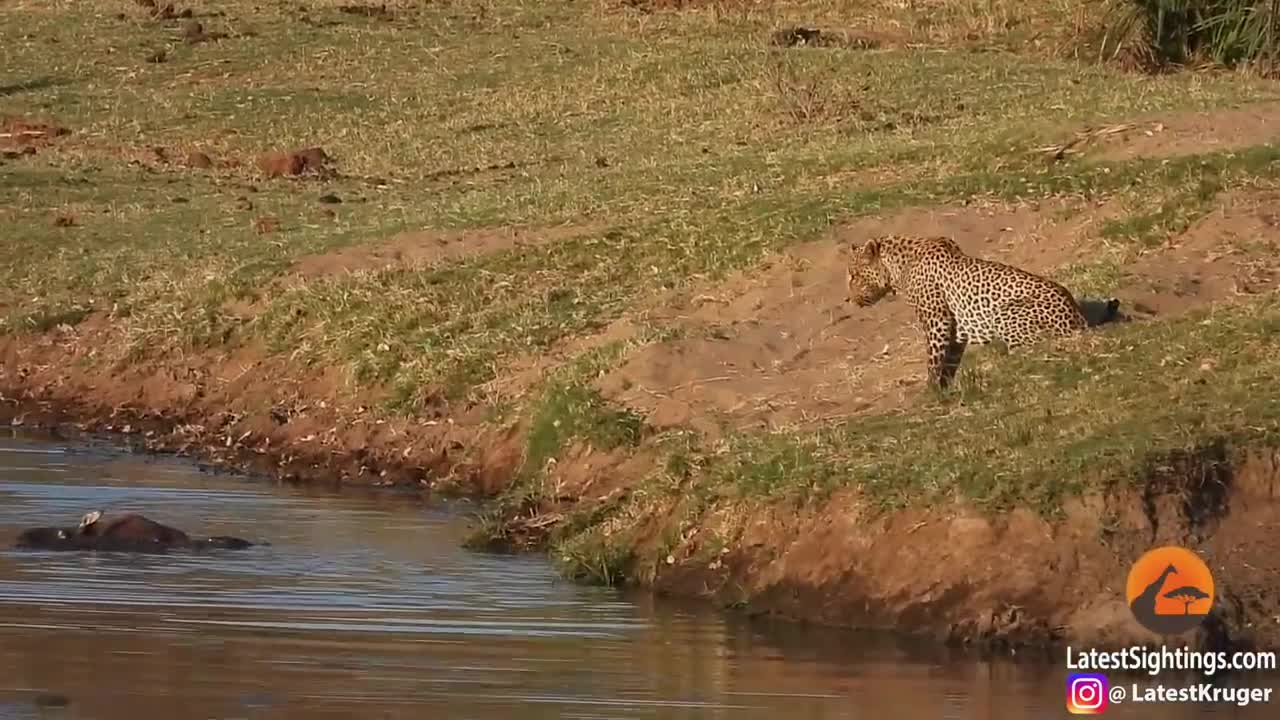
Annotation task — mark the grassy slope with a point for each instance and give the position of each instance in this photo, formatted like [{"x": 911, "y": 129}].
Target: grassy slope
[{"x": 716, "y": 151}]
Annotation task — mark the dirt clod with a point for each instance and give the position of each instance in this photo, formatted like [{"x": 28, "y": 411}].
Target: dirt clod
[
  {"x": 23, "y": 131},
  {"x": 20, "y": 137},
  {"x": 64, "y": 220},
  {"x": 313, "y": 161},
  {"x": 193, "y": 32},
  {"x": 279, "y": 164},
  {"x": 199, "y": 160},
  {"x": 330, "y": 199},
  {"x": 157, "y": 57}
]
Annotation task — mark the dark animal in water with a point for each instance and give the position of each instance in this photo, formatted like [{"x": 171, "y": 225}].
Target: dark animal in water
[{"x": 127, "y": 533}]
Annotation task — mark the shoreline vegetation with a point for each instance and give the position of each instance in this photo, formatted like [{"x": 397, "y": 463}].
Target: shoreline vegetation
[{"x": 586, "y": 262}]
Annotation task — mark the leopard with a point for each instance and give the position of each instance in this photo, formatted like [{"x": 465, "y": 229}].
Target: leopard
[{"x": 962, "y": 299}]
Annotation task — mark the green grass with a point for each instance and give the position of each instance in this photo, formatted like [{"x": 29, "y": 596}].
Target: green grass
[
  {"x": 1230, "y": 33},
  {"x": 708, "y": 166},
  {"x": 1080, "y": 422},
  {"x": 682, "y": 144}
]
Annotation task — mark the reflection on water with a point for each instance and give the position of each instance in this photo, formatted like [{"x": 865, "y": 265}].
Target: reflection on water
[{"x": 365, "y": 606}]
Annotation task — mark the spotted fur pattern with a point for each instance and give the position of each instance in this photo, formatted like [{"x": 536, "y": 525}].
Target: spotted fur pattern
[{"x": 960, "y": 299}]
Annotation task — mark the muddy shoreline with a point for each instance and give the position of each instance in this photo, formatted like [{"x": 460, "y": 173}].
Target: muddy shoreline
[
  {"x": 1014, "y": 581},
  {"x": 237, "y": 410}
]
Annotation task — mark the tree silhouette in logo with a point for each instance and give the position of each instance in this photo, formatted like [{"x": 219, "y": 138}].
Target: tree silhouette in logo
[{"x": 1187, "y": 594}]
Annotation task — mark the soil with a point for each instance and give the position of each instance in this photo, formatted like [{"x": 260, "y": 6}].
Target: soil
[
  {"x": 194, "y": 33},
  {"x": 312, "y": 161},
  {"x": 199, "y": 160},
  {"x": 1174, "y": 134},
  {"x": 1064, "y": 584},
  {"x": 1199, "y": 269},
  {"x": 21, "y": 136},
  {"x": 24, "y": 136},
  {"x": 780, "y": 348},
  {"x": 239, "y": 410}
]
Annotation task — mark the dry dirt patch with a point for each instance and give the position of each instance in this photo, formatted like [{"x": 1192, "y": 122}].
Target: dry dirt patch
[
  {"x": 1192, "y": 133},
  {"x": 19, "y": 136},
  {"x": 1229, "y": 254},
  {"x": 780, "y": 347},
  {"x": 242, "y": 408},
  {"x": 426, "y": 247}
]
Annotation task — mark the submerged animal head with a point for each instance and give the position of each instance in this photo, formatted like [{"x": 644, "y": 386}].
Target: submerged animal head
[
  {"x": 867, "y": 275},
  {"x": 43, "y": 537}
]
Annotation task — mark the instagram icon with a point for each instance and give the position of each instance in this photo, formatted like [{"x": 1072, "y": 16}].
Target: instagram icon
[{"x": 1086, "y": 694}]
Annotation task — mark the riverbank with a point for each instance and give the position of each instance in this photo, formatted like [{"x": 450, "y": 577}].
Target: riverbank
[
  {"x": 954, "y": 572},
  {"x": 603, "y": 286}
]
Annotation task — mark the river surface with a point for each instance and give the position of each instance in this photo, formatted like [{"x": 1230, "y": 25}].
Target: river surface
[{"x": 364, "y": 605}]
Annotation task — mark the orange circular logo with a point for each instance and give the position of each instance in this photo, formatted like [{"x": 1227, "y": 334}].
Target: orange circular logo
[{"x": 1170, "y": 590}]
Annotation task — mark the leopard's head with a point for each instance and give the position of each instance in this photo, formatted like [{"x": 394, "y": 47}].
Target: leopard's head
[{"x": 868, "y": 277}]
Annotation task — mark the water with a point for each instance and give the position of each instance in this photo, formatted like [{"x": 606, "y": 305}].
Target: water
[{"x": 364, "y": 605}]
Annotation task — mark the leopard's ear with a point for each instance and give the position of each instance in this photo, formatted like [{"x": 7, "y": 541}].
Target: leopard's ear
[{"x": 870, "y": 249}]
